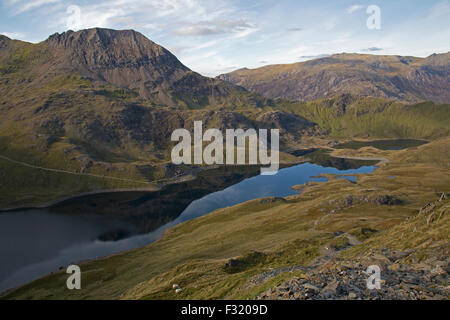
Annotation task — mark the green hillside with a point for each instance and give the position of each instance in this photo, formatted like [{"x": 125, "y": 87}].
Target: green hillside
[{"x": 374, "y": 118}]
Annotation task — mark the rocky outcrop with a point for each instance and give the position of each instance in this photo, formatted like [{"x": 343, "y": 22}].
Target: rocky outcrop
[
  {"x": 347, "y": 280},
  {"x": 128, "y": 59}
]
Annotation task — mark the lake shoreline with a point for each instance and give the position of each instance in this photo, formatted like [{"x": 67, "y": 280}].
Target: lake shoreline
[{"x": 190, "y": 176}]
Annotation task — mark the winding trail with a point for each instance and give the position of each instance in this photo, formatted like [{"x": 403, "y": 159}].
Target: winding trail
[
  {"x": 151, "y": 184},
  {"x": 72, "y": 172}
]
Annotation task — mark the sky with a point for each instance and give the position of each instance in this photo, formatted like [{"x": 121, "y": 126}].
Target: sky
[{"x": 218, "y": 36}]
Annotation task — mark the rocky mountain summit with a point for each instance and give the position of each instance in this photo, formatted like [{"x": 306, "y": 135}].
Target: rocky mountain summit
[
  {"x": 406, "y": 79},
  {"x": 121, "y": 58}
]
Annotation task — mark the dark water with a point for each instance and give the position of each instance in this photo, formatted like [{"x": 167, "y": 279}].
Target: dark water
[
  {"x": 397, "y": 144},
  {"x": 36, "y": 242}
]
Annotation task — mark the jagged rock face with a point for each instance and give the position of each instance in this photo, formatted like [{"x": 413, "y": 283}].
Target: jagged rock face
[
  {"x": 406, "y": 79},
  {"x": 104, "y": 48},
  {"x": 121, "y": 58}
]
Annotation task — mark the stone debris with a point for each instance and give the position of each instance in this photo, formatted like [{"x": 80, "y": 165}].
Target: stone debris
[{"x": 340, "y": 279}]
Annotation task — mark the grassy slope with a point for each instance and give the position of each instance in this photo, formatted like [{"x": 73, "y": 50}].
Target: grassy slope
[
  {"x": 22, "y": 186},
  {"x": 287, "y": 233},
  {"x": 427, "y": 233},
  {"x": 376, "y": 118}
]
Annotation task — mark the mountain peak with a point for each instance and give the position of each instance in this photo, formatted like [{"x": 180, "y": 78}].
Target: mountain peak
[
  {"x": 123, "y": 58},
  {"x": 103, "y": 36},
  {"x": 123, "y": 44}
]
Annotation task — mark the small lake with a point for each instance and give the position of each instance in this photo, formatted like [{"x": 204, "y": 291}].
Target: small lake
[
  {"x": 397, "y": 144},
  {"x": 36, "y": 242}
]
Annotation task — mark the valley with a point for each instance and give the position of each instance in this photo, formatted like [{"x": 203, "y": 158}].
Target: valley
[
  {"x": 280, "y": 234},
  {"x": 126, "y": 220},
  {"x": 85, "y": 148}
]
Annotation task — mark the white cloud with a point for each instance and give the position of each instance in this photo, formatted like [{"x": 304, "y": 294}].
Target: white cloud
[
  {"x": 178, "y": 17},
  {"x": 245, "y": 33},
  {"x": 204, "y": 28},
  {"x": 210, "y": 63},
  {"x": 29, "y": 5},
  {"x": 354, "y": 8},
  {"x": 372, "y": 49},
  {"x": 13, "y": 35},
  {"x": 77, "y": 18},
  {"x": 152, "y": 26},
  {"x": 316, "y": 56}
]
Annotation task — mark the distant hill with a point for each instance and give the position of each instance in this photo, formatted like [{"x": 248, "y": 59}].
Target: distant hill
[{"x": 406, "y": 79}]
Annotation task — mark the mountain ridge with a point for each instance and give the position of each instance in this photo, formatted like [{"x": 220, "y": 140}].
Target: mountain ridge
[{"x": 406, "y": 79}]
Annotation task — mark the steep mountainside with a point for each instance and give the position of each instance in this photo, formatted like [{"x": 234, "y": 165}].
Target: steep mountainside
[{"x": 406, "y": 79}]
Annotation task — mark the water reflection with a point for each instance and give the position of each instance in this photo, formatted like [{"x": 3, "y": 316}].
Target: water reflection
[{"x": 36, "y": 242}]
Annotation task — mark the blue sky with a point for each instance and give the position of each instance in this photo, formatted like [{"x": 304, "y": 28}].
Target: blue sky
[{"x": 218, "y": 36}]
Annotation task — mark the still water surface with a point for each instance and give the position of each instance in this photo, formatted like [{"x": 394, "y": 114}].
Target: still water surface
[{"x": 34, "y": 243}]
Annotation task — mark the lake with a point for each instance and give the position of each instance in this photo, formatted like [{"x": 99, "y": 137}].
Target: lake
[{"x": 36, "y": 242}]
